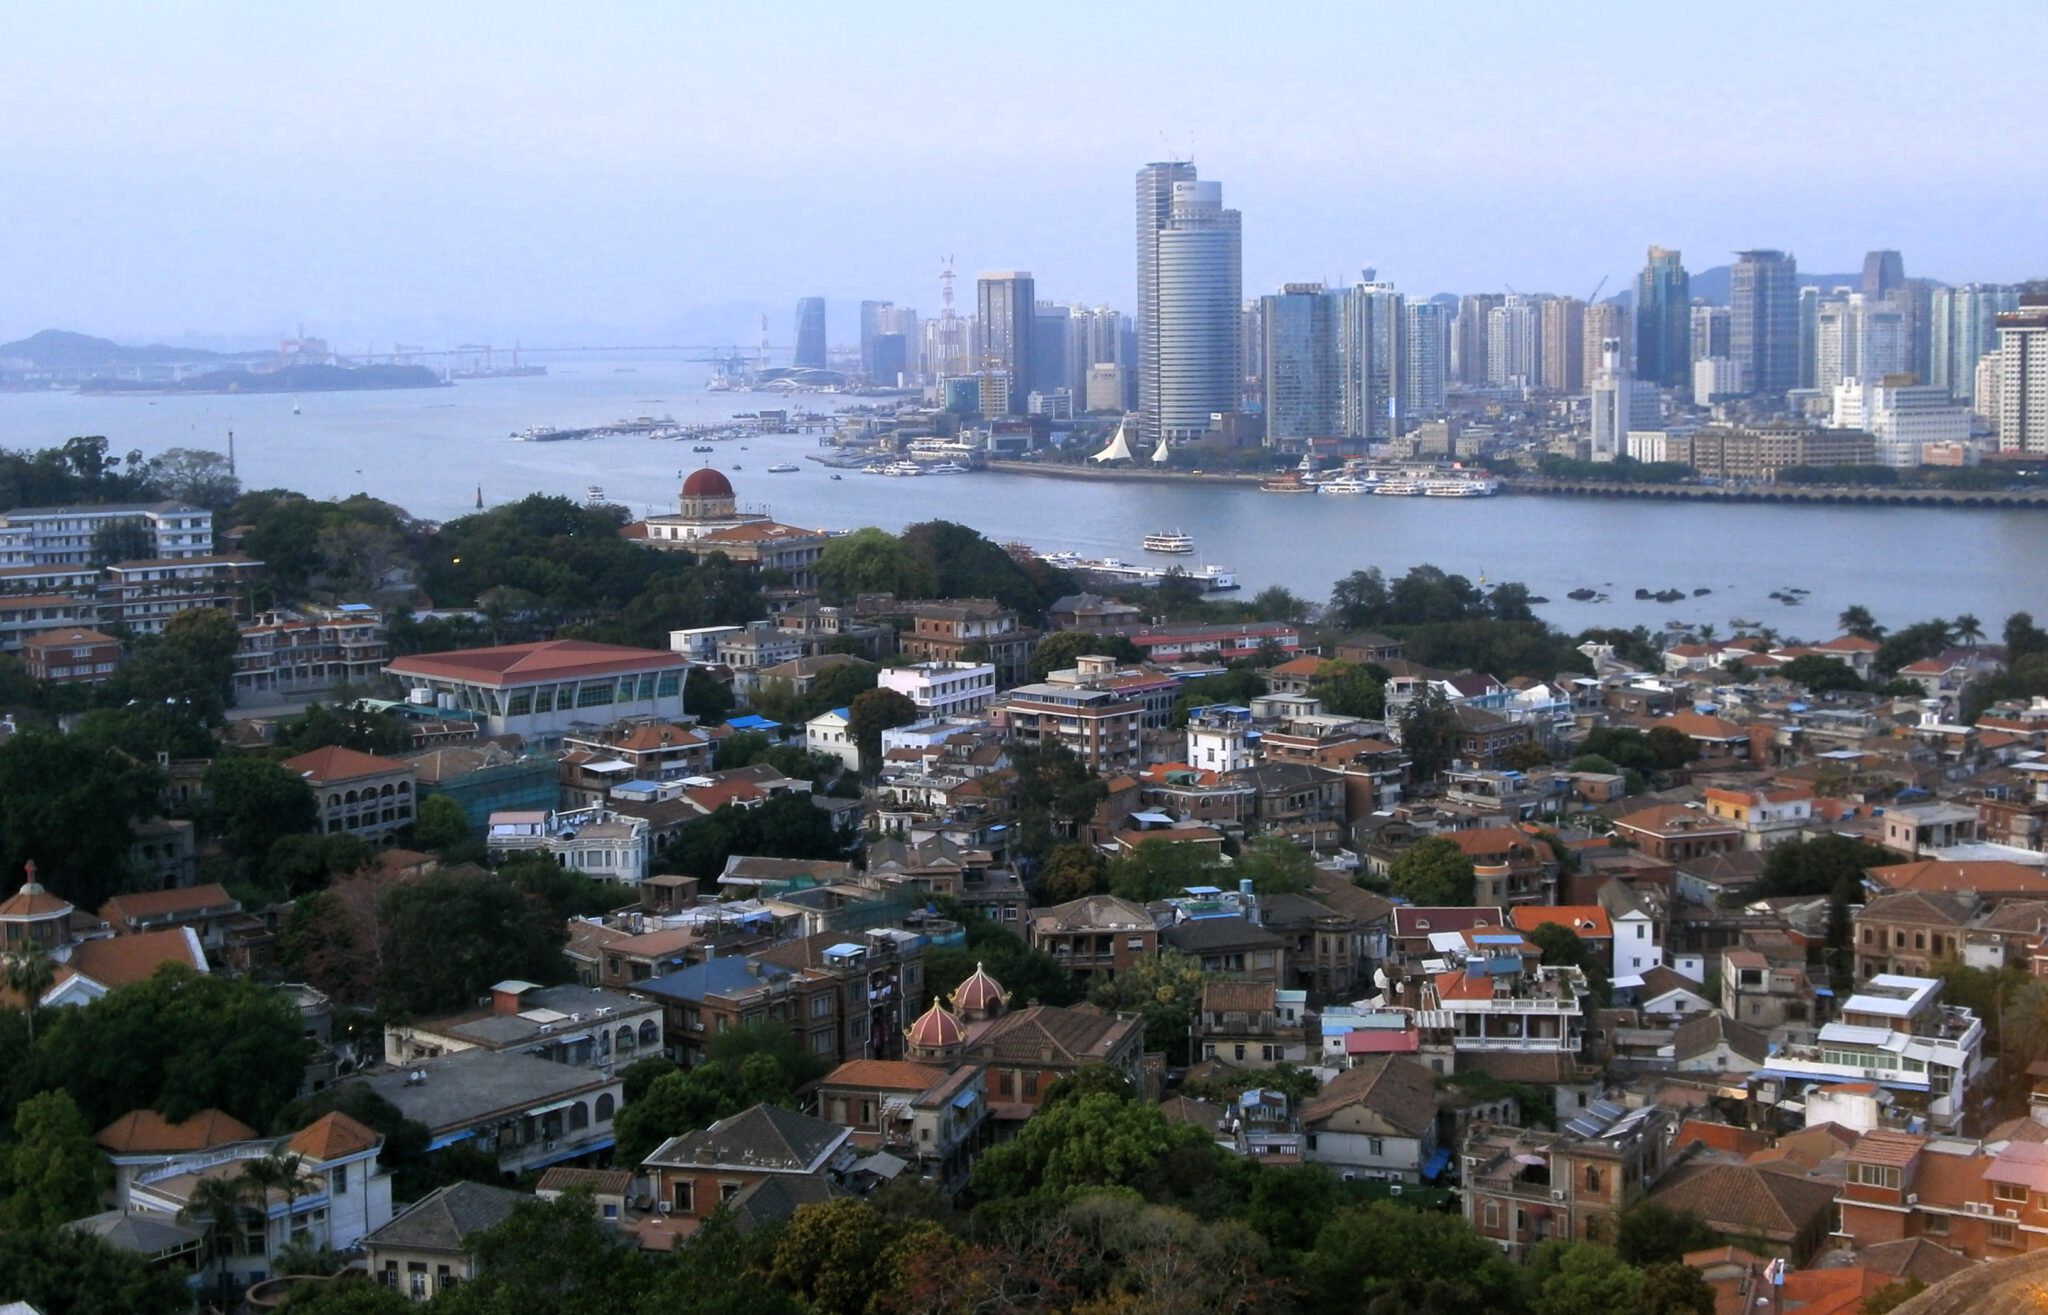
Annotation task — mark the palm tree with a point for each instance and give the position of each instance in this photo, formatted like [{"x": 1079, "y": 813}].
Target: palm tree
[
  {"x": 1707, "y": 632},
  {"x": 1969, "y": 629},
  {"x": 220, "y": 1205},
  {"x": 28, "y": 972},
  {"x": 1856, "y": 620},
  {"x": 284, "y": 1171}
]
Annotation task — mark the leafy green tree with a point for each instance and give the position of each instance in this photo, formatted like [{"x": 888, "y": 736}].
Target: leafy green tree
[
  {"x": 1071, "y": 872},
  {"x": 66, "y": 807},
  {"x": 1351, "y": 689},
  {"x": 871, "y": 561},
  {"x": 1385, "y": 1258},
  {"x": 53, "y": 1172},
  {"x": 1624, "y": 746},
  {"x": 1279, "y": 603},
  {"x": 2025, "y": 1024},
  {"x": 1095, "y": 1141},
  {"x": 1433, "y": 873},
  {"x": 2023, "y": 638},
  {"x": 440, "y": 823},
  {"x": 179, "y": 1042},
  {"x": 1526, "y": 756},
  {"x": 1160, "y": 869},
  {"x": 1675, "y": 1289},
  {"x": 65, "y": 1272},
  {"x": 1652, "y": 1233},
  {"x": 1670, "y": 748},
  {"x": 747, "y": 1066},
  {"x": 1429, "y": 734},
  {"x": 1030, "y": 976},
  {"x": 962, "y": 563},
  {"x": 1818, "y": 674},
  {"x": 839, "y": 1257},
  {"x": 1275, "y": 865},
  {"x": 1923, "y": 639},
  {"x": 1856, "y": 620},
  {"x": 1165, "y": 991},
  {"x": 1063, "y": 649},
  {"x": 552, "y": 1258},
  {"x": 1591, "y": 1280},
  {"x": 1089, "y": 1080},
  {"x": 144, "y": 730},
  {"x": 1056, "y": 794},
  {"x": 1817, "y": 866},
  {"x": 347, "y": 724},
  {"x": 873, "y": 712},
  {"x": 707, "y": 698},
  {"x": 28, "y": 971},
  {"x": 348, "y": 1296},
  {"x": 122, "y": 541},
  {"x": 448, "y": 936},
  {"x": 1360, "y": 601},
  {"x": 300, "y": 864},
  {"x": 642, "y": 1073},
  {"x": 1560, "y": 945},
  {"x": 252, "y": 803},
  {"x": 786, "y": 826},
  {"x": 1239, "y": 685}
]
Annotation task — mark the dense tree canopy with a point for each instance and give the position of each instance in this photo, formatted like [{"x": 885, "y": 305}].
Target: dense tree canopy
[
  {"x": 1433, "y": 872},
  {"x": 66, "y": 805}
]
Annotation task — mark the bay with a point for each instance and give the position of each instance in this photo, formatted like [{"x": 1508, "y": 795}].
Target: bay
[{"x": 430, "y": 451}]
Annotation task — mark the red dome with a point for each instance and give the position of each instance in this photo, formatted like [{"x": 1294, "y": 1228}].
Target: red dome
[
  {"x": 936, "y": 1029},
  {"x": 707, "y": 483}
]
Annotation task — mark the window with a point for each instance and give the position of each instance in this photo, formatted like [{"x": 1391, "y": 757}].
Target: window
[
  {"x": 684, "y": 1194},
  {"x": 1493, "y": 1214},
  {"x": 1377, "y": 1146},
  {"x": 341, "y": 1181},
  {"x": 1999, "y": 1234},
  {"x": 605, "y": 1106},
  {"x": 727, "y": 1191},
  {"x": 1877, "y": 1175},
  {"x": 1934, "y": 1225},
  {"x": 2014, "y": 1192}
]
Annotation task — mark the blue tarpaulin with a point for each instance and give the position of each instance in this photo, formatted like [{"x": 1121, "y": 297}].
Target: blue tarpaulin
[{"x": 1436, "y": 1164}]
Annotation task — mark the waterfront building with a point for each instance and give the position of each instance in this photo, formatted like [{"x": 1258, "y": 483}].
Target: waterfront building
[
  {"x": 1052, "y": 363},
  {"x": 1469, "y": 332},
  {"x": 1663, "y": 320},
  {"x": 1514, "y": 343},
  {"x": 1857, "y": 338},
  {"x": 1621, "y": 404},
  {"x": 1962, "y": 330},
  {"x": 1006, "y": 309},
  {"x": 1808, "y": 312},
  {"x": 1716, "y": 379},
  {"x": 2023, "y": 377},
  {"x": 1369, "y": 340},
  {"x": 810, "y": 334},
  {"x": 1155, "y": 209},
  {"x": 1764, "y": 320},
  {"x": 1904, "y": 417},
  {"x": 1304, "y": 398},
  {"x": 1562, "y": 324},
  {"x": 1106, "y": 388},
  {"x": 1425, "y": 349},
  {"x": 1190, "y": 275}
]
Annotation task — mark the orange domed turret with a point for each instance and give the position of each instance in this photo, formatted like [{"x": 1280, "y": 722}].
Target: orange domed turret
[
  {"x": 707, "y": 496},
  {"x": 980, "y": 997},
  {"x": 936, "y": 1034}
]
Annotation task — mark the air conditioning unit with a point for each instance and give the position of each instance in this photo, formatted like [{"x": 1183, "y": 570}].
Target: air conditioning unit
[
  {"x": 1557, "y": 1195},
  {"x": 1912, "y": 1198},
  {"x": 663, "y": 1207},
  {"x": 2010, "y": 1212},
  {"x": 548, "y": 1145}
]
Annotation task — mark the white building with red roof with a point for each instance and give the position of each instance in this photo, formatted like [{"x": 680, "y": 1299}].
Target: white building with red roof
[
  {"x": 359, "y": 794},
  {"x": 542, "y": 690}
]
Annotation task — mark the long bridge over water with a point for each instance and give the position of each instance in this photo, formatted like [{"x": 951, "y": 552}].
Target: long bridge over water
[{"x": 1815, "y": 494}]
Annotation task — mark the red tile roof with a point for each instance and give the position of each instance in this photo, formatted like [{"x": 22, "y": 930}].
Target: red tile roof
[
  {"x": 146, "y": 1132},
  {"x": 125, "y": 959},
  {"x": 125, "y": 909},
  {"x": 335, "y": 763},
  {"x": 332, "y": 1137},
  {"x": 520, "y": 664},
  {"x": 883, "y": 1075}
]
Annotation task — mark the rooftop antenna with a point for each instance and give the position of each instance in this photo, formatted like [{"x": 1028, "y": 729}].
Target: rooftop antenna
[
  {"x": 946, "y": 284},
  {"x": 231, "y": 453}
]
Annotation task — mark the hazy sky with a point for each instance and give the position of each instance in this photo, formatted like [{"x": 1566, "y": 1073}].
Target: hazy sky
[{"x": 443, "y": 171}]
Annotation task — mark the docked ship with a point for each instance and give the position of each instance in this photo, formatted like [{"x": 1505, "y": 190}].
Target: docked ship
[
  {"x": 1399, "y": 488},
  {"x": 1459, "y": 488},
  {"x": 783, "y": 468},
  {"x": 1212, "y": 579},
  {"x": 1347, "y": 484},
  {"x": 1291, "y": 482},
  {"x": 1169, "y": 541}
]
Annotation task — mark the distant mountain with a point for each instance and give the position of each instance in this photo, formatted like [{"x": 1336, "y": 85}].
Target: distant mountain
[
  {"x": 291, "y": 379},
  {"x": 59, "y": 349}
]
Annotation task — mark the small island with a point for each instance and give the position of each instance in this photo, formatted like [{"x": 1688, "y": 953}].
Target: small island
[{"x": 290, "y": 379}]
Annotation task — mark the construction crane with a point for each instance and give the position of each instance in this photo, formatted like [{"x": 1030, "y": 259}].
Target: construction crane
[{"x": 1594, "y": 295}]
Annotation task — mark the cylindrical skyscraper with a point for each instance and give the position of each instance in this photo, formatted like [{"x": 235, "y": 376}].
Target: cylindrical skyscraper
[{"x": 1198, "y": 304}]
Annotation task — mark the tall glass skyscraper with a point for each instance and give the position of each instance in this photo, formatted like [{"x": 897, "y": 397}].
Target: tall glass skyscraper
[
  {"x": 1963, "y": 328},
  {"x": 1664, "y": 321},
  {"x": 1371, "y": 343},
  {"x": 1764, "y": 320},
  {"x": 1304, "y": 399},
  {"x": 1006, "y": 309},
  {"x": 1198, "y": 308},
  {"x": 1425, "y": 347},
  {"x": 810, "y": 334},
  {"x": 1155, "y": 208}
]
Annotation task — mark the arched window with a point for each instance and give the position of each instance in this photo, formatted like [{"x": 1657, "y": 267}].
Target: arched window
[
  {"x": 579, "y": 1117},
  {"x": 405, "y": 787},
  {"x": 388, "y": 791},
  {"x": 605, "y": 1106},
  {"x": 350, "y": 797},
  {"x": 1592, "y": 1178},
  {"x": 649, "y": 1033},
  {"x": 625, "y": 1039},
  {"x": 334, "y": 801}
]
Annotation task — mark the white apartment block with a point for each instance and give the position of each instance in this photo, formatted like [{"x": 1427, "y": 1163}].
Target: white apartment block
[
  {"x": 943, "y": 689},
  {"x": 63, "y": 536}
]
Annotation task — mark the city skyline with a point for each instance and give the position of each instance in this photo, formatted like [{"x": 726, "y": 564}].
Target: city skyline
[{"x": 240, "y": 173}]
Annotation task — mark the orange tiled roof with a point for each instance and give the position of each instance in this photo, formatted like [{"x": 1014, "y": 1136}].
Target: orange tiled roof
[
  {"x": 1586, "y": 921},
  {"x": 124, "y": 959},
  {"x": 157, "y": 903},
  {"x": 146, "y": 1132},
  {"x": 334, "y": 763},
  {"x": 883, "y": 1075},
  {"x": 32, "y": 903},
  {"x": 331, "y": 1137},
  {"x": 518, "y": 664}
]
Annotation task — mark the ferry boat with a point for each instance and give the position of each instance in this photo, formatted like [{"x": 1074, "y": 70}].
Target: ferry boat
[
  {"x": 783, "y": 468},
  {"x": 1288, "y": 483},
  {"x": 903, "y": 468},
  {"x": 1399, "y": 488},
  {"x": 946, "y": 468},
  {"x": 1173, "y": 541},
  {"x": 1345, "y": 484},
  {"x": 1459, "y": 488}
]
